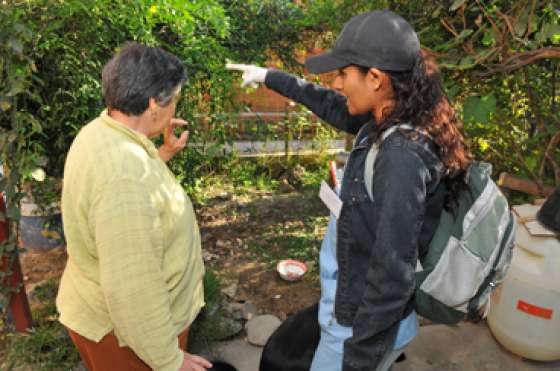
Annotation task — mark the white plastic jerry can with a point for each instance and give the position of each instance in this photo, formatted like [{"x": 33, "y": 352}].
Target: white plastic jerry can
[{"x": 524, "y": 314}]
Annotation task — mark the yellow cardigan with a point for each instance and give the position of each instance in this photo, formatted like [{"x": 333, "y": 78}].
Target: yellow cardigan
[{"x": 134, "y": 258}]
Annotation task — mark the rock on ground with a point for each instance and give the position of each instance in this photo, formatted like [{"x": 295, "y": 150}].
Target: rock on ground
[
  {"x": 260, "y": 328},
  {"x": 238, "y": 353}
]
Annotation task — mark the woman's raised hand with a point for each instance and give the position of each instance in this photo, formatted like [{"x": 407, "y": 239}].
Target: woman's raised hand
[
  {"x": 252, "y": 75},
  {"x": 171, "y": 143}
]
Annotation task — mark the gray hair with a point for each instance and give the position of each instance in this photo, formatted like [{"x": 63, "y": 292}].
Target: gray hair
[{"x": 136, "y": 74}]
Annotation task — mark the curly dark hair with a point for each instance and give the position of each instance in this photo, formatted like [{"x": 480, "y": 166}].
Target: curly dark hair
[{"x": 420, "y": 100}]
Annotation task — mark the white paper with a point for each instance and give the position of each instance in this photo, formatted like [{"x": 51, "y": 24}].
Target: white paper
[{"x": 330, "y": 198}]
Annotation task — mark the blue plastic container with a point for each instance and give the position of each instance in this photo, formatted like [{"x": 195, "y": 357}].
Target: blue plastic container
[{"x": 40, "y": 232}]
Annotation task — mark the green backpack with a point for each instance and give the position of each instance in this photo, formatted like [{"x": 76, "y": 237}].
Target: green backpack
[{"x": 470, "y": 251}]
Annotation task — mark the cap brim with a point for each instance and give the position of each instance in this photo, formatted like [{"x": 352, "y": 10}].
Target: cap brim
[{"x": 325, "y": 63}]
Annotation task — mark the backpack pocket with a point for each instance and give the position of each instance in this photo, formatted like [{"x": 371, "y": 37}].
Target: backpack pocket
[{"x": 457, "y": 276}]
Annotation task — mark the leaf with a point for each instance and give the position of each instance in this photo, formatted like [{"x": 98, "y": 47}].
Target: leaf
[
  {"x": 488, "y": 39},
  {"x": 520, "y": 26},
  {"x": 452, "y": 91},
  {"x": 464, "y": 34},
  {"x": 5, "y": 105},
  {"x": 531, "y": 162},
  {"x": 466, "y": 62},
  {"x": 479, "y": 109},
  {"x": 457, "y": 4},
  {"x": 38, "y": 174},
  {"x": 16, "y": 45},
  {"x": 483, "y": 144},
  {"x": 550, "y": 31}
]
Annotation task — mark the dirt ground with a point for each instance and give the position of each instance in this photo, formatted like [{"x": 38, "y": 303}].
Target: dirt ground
[{"x": 231, "y": 225}]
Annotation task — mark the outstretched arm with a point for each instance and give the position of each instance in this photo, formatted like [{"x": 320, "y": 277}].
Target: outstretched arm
[{"x": 325, "y": 103}]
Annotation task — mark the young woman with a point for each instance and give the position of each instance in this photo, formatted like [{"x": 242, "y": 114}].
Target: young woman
[{"x": 370, "y": 252}]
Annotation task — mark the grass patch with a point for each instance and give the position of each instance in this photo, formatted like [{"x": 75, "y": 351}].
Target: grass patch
[
  {"x": 210, "y": 325},
  {"x": 47, "y": 346},
  {"x": 294, "y": 240}
]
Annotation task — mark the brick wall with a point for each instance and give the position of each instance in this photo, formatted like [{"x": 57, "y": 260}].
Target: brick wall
[{"x": 269, "y": 106}]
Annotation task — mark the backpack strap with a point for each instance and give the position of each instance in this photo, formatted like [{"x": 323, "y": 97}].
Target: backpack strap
[{"x": 372, "y": 154}]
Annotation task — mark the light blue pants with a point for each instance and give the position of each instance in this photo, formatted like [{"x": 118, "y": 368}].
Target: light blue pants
[{"x": 328, "y": 358}]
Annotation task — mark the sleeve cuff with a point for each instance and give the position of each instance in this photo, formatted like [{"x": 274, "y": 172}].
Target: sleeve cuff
[
  {"x": 274, "y": 79},
  {"x": 175, "y": 364}
]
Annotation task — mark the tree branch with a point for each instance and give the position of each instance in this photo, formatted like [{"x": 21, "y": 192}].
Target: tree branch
[
  {"x": 449, "y": 27},
  {"x": 556, "y": 168},
  {"x": 533, "y": 99},
  {"x": 522, "y": 59},
  {"x": 552, "y": 145},
  {"x": 553, "y": 92},
  {"x": 494, "y": 25},
  {"x": 530, "y": 19}
]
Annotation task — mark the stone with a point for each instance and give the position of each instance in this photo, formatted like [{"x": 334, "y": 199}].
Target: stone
[
  {"x": 230, "y": 290},
  {"x": 80, "y": 367},
  {"x": 239, "y": 353},
  {"x": 228, "y": 328},
  {"x": 260, "y": 328},
  {"x": 222, "y": 244},
  {"x": 208, "y": 256},
  {"x": 40, "y": 269},
  {"x": 285, "y": 186},
  {"x": 235, "y": 310},
  {"x": 223, "y": 196},
  {"x": 249, "y": 311},
  {"x": 298, "y": 172}
]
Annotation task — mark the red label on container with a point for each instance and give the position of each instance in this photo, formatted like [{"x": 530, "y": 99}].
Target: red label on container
[{"x": 534, "y": 310}]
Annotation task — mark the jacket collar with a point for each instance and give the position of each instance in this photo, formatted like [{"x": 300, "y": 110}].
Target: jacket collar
[
  {"x": 131, "y": 134},
  {"x": 365, "y": 132}
]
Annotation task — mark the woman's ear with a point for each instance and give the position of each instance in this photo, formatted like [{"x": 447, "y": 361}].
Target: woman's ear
[
  {"x": 152, "y": 108},
  {"x": 380, "y": 81},
  {"x": 374, "y": 77},
  {"x": 152, "y": 104}
]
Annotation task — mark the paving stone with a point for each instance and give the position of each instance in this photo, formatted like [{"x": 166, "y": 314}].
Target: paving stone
[
  {"x": 249, "y": 311},
  {"x": 467, "y": 347},
  {"x": 260, "y": 328},
  {"x": 238, "y": 353}
]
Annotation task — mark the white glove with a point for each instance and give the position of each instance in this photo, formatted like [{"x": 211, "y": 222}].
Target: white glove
[{"x": 252, "y": 75}]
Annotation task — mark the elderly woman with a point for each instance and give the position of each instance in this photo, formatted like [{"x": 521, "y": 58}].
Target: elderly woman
[{"x": 133, "y": 282}]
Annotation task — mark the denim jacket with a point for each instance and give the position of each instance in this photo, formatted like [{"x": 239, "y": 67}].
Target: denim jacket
[{"x": 379, "y": 241}]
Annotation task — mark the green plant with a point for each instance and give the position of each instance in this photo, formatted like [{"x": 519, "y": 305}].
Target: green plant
[
  {"x": 43, "y": 191},
  {"x": 47, "y": 345},
  {"x": 18, "y": 154},
  {"x": 52, "y": 53},
  {"x": 500, "y": 64},
  {"x": 210, "y": 324}
]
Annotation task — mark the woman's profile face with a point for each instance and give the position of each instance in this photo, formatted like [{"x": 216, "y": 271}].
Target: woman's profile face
[
  {"x": 365, "y": 91},
  {"x": 351, "y": 82},
  {"x": 164, "y": 114}
]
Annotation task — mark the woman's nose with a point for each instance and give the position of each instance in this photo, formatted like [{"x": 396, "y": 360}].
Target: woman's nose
[{"x": 337, "y": 84}]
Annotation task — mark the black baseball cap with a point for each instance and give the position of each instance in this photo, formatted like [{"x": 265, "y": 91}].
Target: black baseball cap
[{"x": 380, "y": 39}]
